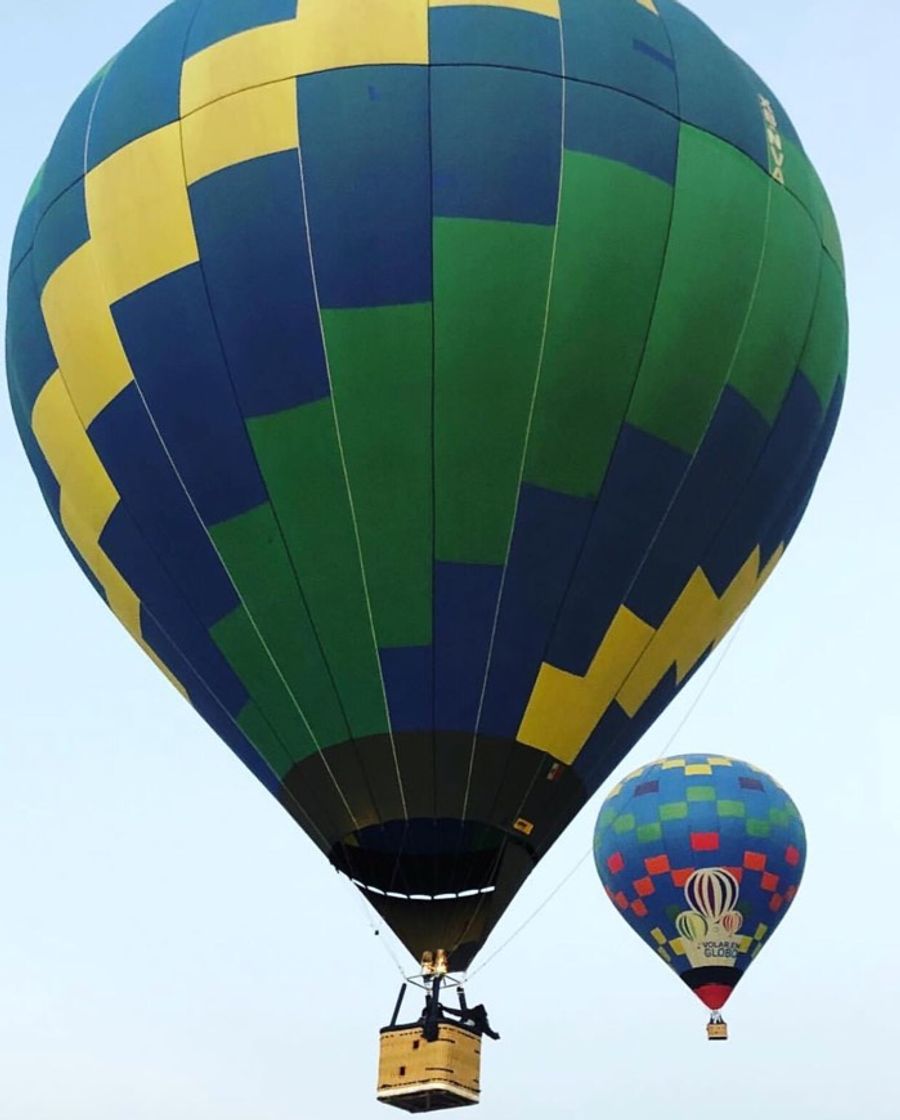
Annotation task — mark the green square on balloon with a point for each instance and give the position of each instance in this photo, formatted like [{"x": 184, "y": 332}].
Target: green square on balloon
[
  {"x": 625, "y": 823},
  {"x": 646, "y": 833},
  {"x": 673, "y": 811}
]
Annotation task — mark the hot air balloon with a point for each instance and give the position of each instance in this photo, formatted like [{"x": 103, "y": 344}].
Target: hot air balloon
[
  {"x": 427, "y": 387},
  {"x": 702, "y": 855}
]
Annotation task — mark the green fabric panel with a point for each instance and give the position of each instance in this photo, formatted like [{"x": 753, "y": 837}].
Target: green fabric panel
[
  {"x": 647, "y": 833},
  {"x": 251, "y": 545},
  {"x": 779, "y": 817},
  {"x": 758, "y": 828},
  {"x": 259, "y": 731},
  {"x": 673, "y": 811},
  {"x": 777, "y": 326},
  {"x": 490, "y": 293},
  {"x": 299, "y": 456},
  {"x": 380, "y": 361},
  {"x": 802, "y": 180},
  {"x": 701, "y": 793},
  {"x": 612, "y": 231},
  {"x": 624, "y": 823},
  {"x": 711, "y": 266},
  {"x": 731, "y": 809},
  {"x": 825, "y": 358},
  {"x": 240, "y": 645}
]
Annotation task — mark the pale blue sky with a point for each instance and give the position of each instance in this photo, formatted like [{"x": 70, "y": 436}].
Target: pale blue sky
[{"x": 171, "y": 945}]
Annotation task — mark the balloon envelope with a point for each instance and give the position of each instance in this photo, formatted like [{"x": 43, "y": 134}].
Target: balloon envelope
[
  {"x": 427, "y": 388},
  {"x": 702, "y": 855}
]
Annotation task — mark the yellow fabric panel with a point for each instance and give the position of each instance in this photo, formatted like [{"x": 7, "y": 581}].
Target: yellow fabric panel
[
  {"x": 255, "y": 122},
  {"x": 325, "y": 35},
  {"x": 658, "y": 936},
  {"x": 697, "y": 768},
  {"x": 87, "y": 500},
  {"x": 674, "y": 764},
  {"x": 564, "y": 708},
  {"x": 539, "y": 7},
  {"x": 713, "y": 761},
  {"x": 698, "y": 620},
  {"x": 139, "y": 215},
  {"x": 84, "y": 337},
  {"x": 649, "y": 5},
  {"x": 677, "y": 946}
]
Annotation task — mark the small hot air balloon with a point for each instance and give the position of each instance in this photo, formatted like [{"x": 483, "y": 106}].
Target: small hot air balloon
[{"x": 702, "y": 855}]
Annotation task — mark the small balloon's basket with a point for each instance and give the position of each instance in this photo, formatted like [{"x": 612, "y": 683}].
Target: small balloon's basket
[
  {"x": 434, "y": 1062},
  {"x": 717, "y": 1028}
]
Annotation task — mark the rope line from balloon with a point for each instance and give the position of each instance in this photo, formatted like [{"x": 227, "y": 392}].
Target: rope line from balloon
[
  {"x": 346, "y": 474},
  {"x": 726, "y": 649}
]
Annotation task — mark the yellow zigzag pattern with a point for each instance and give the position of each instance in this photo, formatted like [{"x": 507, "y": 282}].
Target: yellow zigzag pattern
[{"x": 633, "y": 658}]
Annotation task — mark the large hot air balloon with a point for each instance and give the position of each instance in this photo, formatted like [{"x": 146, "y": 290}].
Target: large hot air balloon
[
  {"x": 702, "y": 855},
  {"x": 427, "y": 387}
]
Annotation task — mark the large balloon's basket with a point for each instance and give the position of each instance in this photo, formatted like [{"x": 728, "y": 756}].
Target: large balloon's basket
[
  {"x": 435, "y": 1062},
  {"x": 717, "y": 1029},
  {"x": 421, "y": 1076}
]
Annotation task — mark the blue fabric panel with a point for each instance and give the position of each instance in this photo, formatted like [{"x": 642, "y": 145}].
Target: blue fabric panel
[
  {"x": 30, "y": 361},
  {"x": 171, "y": 342},
  {"x": 129, "y": 448},
  {"x": 219, "y": 19},
  {"x": 65, "y": 164},
  {"x": 785, "y": 522},
  {"x": 364, "y": 143},
  {"x": 205, "y": 704},
  {"x": 733, "y": 442},
  {"x": 408, "y": 674},
  {"x": 547, "y": 537},
  {"x": 713, "y": 88},
  {"x": 604, "y": 122},
  {"x": 607, "y": 44},
  {"x": 255, "y": 258},
  {"x": 494, "y": 37},
  {"x": 465, "y": 599},
  {"x": 643, "y": 477},
  {"x": 496, "y": 144},
  {"x": 142, "y": 88},
  {"x": 777, "y": 470},
  {"x": 62, "y": 230},
  {"x": 127, "y": 548}
]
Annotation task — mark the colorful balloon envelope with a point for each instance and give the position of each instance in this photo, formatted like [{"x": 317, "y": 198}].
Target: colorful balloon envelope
[
  {"x": 427, "y": 387},
  {"x": 702, "y": 855}
]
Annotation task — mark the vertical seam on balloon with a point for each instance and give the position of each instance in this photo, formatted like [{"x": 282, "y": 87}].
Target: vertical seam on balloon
[
  {"x": 340, "y": 444},
  {"x": 287, "y": 553},
  {"x": 504, "y": 843},
  {"x": 193, "y": 506},
  {"x": 434, "y": 766},
  {"x": 638, "y": 366},
  {"x": 551, "y": 272}
]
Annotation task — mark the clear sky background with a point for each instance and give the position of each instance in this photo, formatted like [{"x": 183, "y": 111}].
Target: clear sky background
[{"x": 172, "y": 946}]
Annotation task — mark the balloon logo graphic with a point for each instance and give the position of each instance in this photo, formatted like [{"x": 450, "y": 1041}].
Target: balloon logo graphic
[
  {"x": 691, "y": 926},
  {"x": 428, "y": 389},
  {"x": 712, "y": 891},
  {"x": 716, "y": 833}
]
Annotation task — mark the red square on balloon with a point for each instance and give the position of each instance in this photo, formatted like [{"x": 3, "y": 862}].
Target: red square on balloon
[
  {"x": 705, "y": 841},
  {"x": 792, "y": 855},
  {"x": 639, "y": 908},
  {"x": 615, "y": 863},
  {"x": 737, "y": 872},
  {"x": 644, "y": 887},
  {"x": 769, "y": 881},
  {"x": 754, "y": 861},
  {"x": 620, "y": 900},
  {"x": 657, "y": 865},
  {"x": 776, "y": 902},
  {"x": 681, "y": 875}
]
